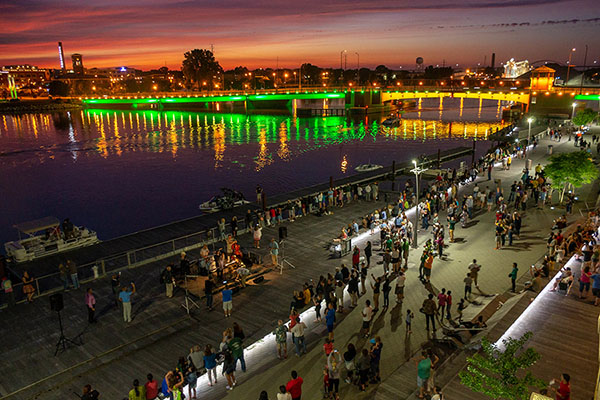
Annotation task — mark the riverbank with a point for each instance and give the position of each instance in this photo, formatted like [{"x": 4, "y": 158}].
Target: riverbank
[{"x": 39, "y": 105}]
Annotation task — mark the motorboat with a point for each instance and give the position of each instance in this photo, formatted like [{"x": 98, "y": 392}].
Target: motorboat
[
  {"x": 391, "y": 122},
  {"x": 367, "y": 167},
  {"x": 44, "y": 237},
  {"x": 229, "y": 199}
]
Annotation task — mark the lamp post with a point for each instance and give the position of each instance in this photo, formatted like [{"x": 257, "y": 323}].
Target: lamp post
[
  {"x": 569, "y": 66},
  {"x": 417, "y": 171},
  {"x": 529, "y": 120},
  {"x": 573, "y": 112}
]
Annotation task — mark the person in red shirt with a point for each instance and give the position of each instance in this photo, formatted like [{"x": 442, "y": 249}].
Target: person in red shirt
[
  {"x": 294, "y": 386},
  {"x": 564, "y": 388},
  {"x": 151, "y": 388}
]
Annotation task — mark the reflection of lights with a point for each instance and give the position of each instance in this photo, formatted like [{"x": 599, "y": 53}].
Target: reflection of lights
[{"x": 344, "y": 164}]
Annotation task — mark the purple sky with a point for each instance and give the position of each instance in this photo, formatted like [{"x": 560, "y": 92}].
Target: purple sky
[{"x": 150, "y": 33}]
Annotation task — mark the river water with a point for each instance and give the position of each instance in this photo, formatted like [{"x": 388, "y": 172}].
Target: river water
[{"x": 118, "y": 172}]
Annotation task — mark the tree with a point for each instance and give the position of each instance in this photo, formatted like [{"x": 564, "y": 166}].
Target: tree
[
  {"x": 496, "y": 372},
  {"x": 584, "y": 117},
  {"x": 570, "y": 170},
  {"x": 200, "y": 66}
]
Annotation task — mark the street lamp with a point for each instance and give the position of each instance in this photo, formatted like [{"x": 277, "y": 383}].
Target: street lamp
[
  {"x": 573, "y": 112},
  {"x": 529, "y": 120},
  {"x": 569, "y": 66},
  {"x": 417, "y": 171}
]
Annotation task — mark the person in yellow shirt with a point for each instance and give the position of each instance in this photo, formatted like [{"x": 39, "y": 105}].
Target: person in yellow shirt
[{"x": 138, "y": 392}]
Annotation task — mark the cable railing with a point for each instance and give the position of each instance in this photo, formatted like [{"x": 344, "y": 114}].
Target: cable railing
[{"x": 53, "y": 282}]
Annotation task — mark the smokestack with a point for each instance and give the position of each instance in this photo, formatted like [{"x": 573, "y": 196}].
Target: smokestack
[
  {"x": 493, "y": 60},
  {"x": 61, "y": 56}
]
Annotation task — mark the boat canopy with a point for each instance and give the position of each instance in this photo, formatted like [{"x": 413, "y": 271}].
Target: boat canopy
[{"x": 38, "y": 225}]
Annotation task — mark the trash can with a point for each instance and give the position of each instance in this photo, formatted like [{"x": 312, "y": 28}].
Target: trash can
[{"x": 550, "y": 147}]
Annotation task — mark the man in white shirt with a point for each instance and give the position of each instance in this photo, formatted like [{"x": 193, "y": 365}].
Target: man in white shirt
[
  {"x": 474, "y": 270},
  {"x": 367, "y": 315},
  {"x": 298, "y": 336}
]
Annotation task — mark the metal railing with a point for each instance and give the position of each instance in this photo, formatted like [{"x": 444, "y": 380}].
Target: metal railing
[{"x": 53, "y": 282}]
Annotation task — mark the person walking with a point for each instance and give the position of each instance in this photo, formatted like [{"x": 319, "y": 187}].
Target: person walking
[
  {"x": 236, "y": 347},
  {"x": 442, "y": 301},
  {"x": 399, "y": 289},
  {"x": 257, "y": 235},
  {"x": 367, "y": 315},
  {"x": 90, "y": 302},
  {"x": 364, "y": 365},
  {"x": 280, "y": 333},
  {"x": 167, "y": 278},
  {"x": 294, "y": 386},
  {"x": 386, "y": 288},
  {"x": 210, "y": 364},
  {"x": 429, "y": 309},
  {"x": 274, "y": 246},
  {"x": 474, "y": 270},
  {"x": 125, "y": 299},
  {"x": 468, "y": 282},
  {"x": 353, "y": 288},
  {"x": 513, "y": 277},
  {"x": 334, "y": 366},
  {"x": 73, "y": 271},
  {"x": 227, "y": 297},
  {"x": 376, "y": 291},
  {"x": 409, "y": 317},
  {"x": 423, "y": 365},
  {"x": 298, "y": 336},
  {"x": 330, "y": 320}
]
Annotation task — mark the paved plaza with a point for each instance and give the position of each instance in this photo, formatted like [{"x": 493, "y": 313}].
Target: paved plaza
[{"x": 114, "y": 353}]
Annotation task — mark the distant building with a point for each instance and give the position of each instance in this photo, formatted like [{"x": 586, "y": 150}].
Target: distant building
[
  {"x": 25, "y": 76},
  {"x": 77, "y": 60}
]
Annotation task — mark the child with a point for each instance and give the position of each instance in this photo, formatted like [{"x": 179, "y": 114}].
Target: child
[
  {"x": 328, "y": 347},
  {"x": 325, "y": 382},
  {"x": 409, "y": 317}
]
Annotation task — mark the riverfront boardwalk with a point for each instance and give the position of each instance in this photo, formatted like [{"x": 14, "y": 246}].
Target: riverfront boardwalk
[{"x": 113, "y": 353}]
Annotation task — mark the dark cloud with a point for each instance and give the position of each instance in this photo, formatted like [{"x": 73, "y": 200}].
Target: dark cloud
[{"x": 522, "y": 24}]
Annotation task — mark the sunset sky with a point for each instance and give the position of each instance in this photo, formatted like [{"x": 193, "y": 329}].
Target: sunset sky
[{"x": 151, "y": 33}]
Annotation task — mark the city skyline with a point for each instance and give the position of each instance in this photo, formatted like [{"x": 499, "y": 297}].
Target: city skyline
[{"x": 149, "y": 34}]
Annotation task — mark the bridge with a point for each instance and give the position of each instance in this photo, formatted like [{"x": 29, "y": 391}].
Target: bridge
[{"x": 343, "y": 98}]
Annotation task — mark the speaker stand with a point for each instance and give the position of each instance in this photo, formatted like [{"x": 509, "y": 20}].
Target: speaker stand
[
  {"x": 62, "y": 340},
  {"x": 283, "y": 261}
]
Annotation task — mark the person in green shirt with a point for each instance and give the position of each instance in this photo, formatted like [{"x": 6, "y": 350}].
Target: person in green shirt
[
  {"x": 423, "y": 364},
  {"x": 281, "y": 339},
  {"x": 237, "y": 351},
  {"x": 451, "y": 224}
]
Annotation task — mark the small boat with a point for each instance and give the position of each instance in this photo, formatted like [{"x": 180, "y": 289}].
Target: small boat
[
  {"x": 367, "y": 167},
  {"x": 229, "y": 199},
  {"x": 45, "y": 237},
  {"x": 391, "y": 122}
]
